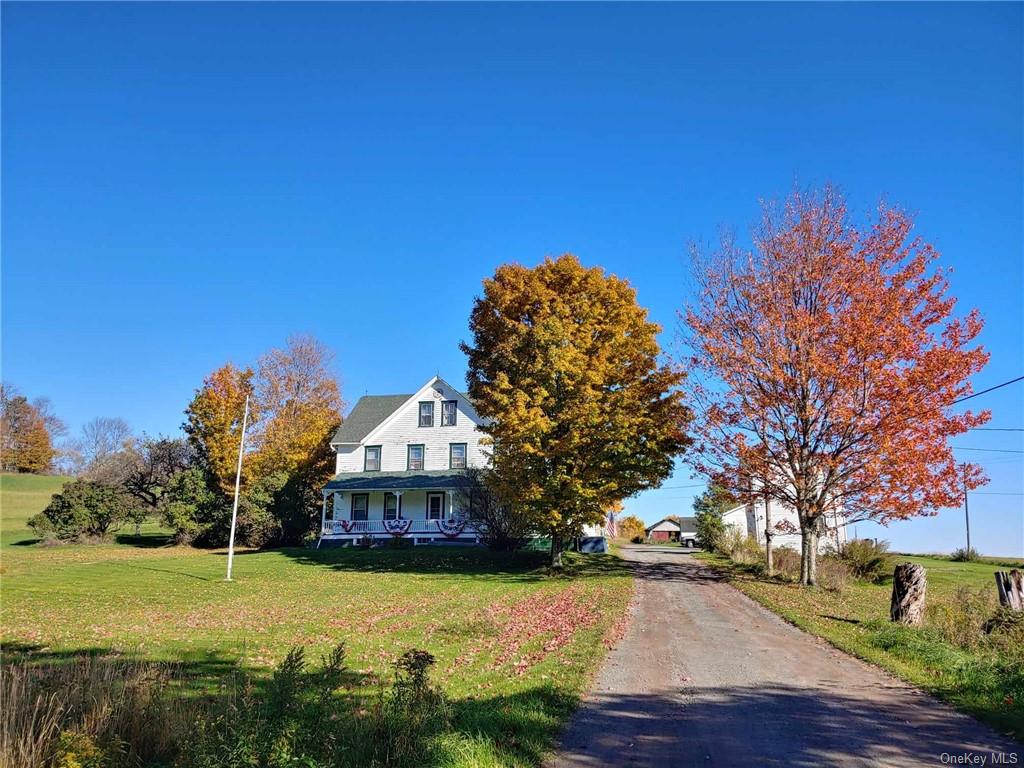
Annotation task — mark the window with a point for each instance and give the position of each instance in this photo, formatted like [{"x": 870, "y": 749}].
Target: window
[
  {"x": 415, "y": 457},
  {"x": 449, "y": 413},
  {"x": 360, "y": 505},
  {"x": 427, "y": 414},
  {"x": 456, "y": 455},
  {"x": 392, "y": 507},
  {"x": 435, "y": 506},
  {"x": 371, "y": 460}
]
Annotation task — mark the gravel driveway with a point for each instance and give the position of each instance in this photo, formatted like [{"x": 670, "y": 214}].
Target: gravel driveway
[{"x": 706, "y": 677}]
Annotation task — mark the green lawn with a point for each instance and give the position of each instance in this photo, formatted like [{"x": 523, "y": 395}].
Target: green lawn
[
  {"x": 514, "y": 647},
  {"x": 976, "y": 677},
  {"x": 21, "y": 496}
]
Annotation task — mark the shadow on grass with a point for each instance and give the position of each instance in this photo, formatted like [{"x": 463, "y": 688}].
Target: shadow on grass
[
  {"x": 843, "y": 619},
  {"x": 145, "y": 540},
  {"x": 171, "y": 571},
  {"x": 457, "y": 560},
  {"x": 202, "y": 673}
]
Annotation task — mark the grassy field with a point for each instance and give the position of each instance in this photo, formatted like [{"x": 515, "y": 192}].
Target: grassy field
[
  {"x": 21, "y": 496},
  {"x": 949, "y": 656},
  {"x": 514, "y": 647}
]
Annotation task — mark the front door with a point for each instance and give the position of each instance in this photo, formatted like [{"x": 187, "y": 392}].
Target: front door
[{"x": 435, "y": 506}]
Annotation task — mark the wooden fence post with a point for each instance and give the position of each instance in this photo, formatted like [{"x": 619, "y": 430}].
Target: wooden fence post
[
  {"x": 908, "y": 591},
  {"x": 1011, "y": 589}
]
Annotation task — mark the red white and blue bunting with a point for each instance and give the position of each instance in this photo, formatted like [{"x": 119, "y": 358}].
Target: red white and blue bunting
[
  {"x": 397, "y": 527},
  {"x": 347, "y": 525},
  {"x": 451, "y": 528}
]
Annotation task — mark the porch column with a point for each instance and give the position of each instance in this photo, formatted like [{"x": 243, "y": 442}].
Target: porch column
[
  {"x": 451, "y": 506},
  {"x": 323, "y": 515},
  {"x": 398, "y": 503},
  {"x": 337, "y": 498}
]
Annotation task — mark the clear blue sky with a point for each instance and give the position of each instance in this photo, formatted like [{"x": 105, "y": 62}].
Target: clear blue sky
[{"x": 188, "y": 183}]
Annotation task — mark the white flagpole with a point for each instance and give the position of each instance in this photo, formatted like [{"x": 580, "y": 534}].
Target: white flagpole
[{"x": 238, "y": 482}]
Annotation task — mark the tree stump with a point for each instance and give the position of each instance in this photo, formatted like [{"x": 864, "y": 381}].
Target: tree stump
[
  {"x": 908, "y": 591},
  {"x": 1011, "y": 589}
]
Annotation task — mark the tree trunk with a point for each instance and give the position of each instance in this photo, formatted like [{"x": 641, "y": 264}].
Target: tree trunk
[
  {"x": 803, "y": 557},
  {"x": 1011, "y": 589},
  {"x": 556, "y": 552},
  {"x": 809, "y": 552},
  {"x": 812, "y": 556},
  {"x": 768, "y": 560},
  {"x": 908, "y": 591}
]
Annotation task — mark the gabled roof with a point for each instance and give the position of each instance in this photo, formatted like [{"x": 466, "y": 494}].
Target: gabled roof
[
  {"x": 663, "y": 520},
  {"x": 367, "y": 414},
  {"x": 371, "y": 411}
]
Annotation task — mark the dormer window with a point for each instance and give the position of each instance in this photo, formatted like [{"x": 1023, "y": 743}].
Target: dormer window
[
  {"x": 449, "y": 413},
  {"x": 371, "y": 459},
  {"x": 427, "y": 414}
]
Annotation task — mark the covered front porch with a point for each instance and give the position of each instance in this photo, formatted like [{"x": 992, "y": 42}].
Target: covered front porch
[{"x": 373, "y": 507}]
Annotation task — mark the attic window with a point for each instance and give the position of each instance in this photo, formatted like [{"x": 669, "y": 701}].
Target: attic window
[
  {"x": 427, "y": 414},
  {"x": 449, "y": 413}
]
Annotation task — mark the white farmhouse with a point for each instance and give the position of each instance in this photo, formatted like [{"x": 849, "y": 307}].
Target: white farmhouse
[
  {"x": 401, "y": 468},
  {"x": 749, "y": 520}
]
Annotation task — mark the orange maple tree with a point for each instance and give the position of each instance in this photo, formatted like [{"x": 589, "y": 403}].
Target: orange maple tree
[{"x": 824, "y": 363}]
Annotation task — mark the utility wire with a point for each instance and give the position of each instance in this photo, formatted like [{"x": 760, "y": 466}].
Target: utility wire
[
  {"x": 986, "y": 450},
  {"x": 990, "y": 389},
  {"x": 996, "y": 429}
]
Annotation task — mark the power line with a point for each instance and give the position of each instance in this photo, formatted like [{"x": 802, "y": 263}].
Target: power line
[
  {"x": 986, "y": 450},
  {"x": 996, "y": 429},
  {"x": 996, "y": 493},
  {"x": 990, "y": 389}
]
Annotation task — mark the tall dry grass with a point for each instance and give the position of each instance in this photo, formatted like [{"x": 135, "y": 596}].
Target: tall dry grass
[
  {"x": 89, "y": 711},
  {"x": 64, "y": 711}
]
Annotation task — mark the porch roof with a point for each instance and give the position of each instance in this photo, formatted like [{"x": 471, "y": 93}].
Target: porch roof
[{"x": 409, "y": 480}]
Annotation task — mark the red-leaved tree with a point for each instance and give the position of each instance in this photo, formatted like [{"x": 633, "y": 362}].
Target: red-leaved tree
[{"x": 824, "y": 363}]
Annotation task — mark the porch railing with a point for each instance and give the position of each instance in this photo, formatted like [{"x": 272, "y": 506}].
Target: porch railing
[{"x": 335, "y": 527}]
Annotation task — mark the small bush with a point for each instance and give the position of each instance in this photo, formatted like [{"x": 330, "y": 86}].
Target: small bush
[
  {"x": 1005, "y": 631},
  {"x": 83, "y": 511},
  {"x": 787, "y": 562},
  {"x": 865, "y": 558},
  {"x": 745, "y": 549},
  {"x": 410, "y": 714},
  {"x": 965, "y": 555},
  {"x": 711, "y": 530},
  {"x": 833, "y": 574},
  {"x": 960, "y": 619},
  {"x": 637, "y": 540}
]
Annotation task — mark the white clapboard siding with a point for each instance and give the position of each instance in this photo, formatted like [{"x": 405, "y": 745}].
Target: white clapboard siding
[
  {"x": 749, "y": 521},
  {"x": 402, "y": 429}
]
